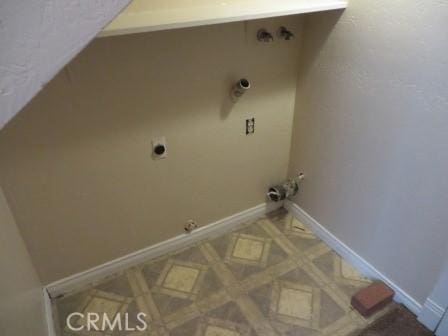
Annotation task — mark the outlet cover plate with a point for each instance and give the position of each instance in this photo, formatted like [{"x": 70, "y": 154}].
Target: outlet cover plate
[{"x": 250, "y": 126}]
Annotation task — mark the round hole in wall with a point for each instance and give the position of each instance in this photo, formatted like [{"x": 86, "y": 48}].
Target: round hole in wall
[
  {"x": 245, "y": 83},
  {"x": 159, "y": 149}
]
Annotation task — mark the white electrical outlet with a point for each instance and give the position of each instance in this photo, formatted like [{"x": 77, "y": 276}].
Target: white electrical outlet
[{"x": 159, "y": 148}]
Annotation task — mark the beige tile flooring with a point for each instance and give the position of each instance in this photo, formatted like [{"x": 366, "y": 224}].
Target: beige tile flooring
[{"x": 271, "y": 276}]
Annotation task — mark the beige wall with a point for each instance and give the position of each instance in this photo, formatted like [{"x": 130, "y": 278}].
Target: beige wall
[
  {"x": 371, "y": 133},
  {"x": 76, "y": 164},
  {"x": 21, "y": 303}
]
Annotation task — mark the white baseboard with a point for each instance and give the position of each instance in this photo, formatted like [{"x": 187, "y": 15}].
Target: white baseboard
[
  {"x": 48, "y": 313},
  {"x": 80, "y": 280},
  {"x": 352, "y": 257},
  {"x": 431, "y": 314}
]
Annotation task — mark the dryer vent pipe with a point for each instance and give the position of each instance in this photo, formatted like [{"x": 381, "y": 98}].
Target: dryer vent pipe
[{"x": 283, "y": 191}]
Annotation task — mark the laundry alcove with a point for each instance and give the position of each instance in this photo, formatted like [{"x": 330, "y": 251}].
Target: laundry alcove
[
  {"x": 177, "y": 121},
  {"x": 96, "y": 121}
]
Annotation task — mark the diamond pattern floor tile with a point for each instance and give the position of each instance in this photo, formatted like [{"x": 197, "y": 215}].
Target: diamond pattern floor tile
[{"x": 271, "y": 276}]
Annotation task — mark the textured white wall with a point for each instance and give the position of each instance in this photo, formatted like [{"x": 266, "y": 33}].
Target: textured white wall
[
  {"x": 371, "y": 133},
  {"x": 38, "y": 37}
]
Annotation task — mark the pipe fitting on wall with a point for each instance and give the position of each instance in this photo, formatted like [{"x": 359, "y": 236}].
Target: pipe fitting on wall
[
  {"x": 284, "y": 34},
  {"x": 264, "y": 36},
  {"x": 240, "y": 88},
  {"x": 283, "y": 191}
]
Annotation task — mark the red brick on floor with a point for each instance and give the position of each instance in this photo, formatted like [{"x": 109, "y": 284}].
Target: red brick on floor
[{"x": 373, "y": 298}]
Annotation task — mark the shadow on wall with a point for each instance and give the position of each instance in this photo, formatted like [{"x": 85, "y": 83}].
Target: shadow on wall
[
  {"x": 312, "y": 45},
  {"x": 227, "y": 103},
  {"x": 105, "y": 92}
]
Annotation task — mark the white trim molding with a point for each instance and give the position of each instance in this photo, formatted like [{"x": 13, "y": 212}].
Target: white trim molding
[
  {"x": 431, "y": 314},
  {"x": 80, "y": 280},
  {"x": 48, "y": 313},
  {"x": 434, "y": 312},
  {"x": 352, "y": 257}
]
